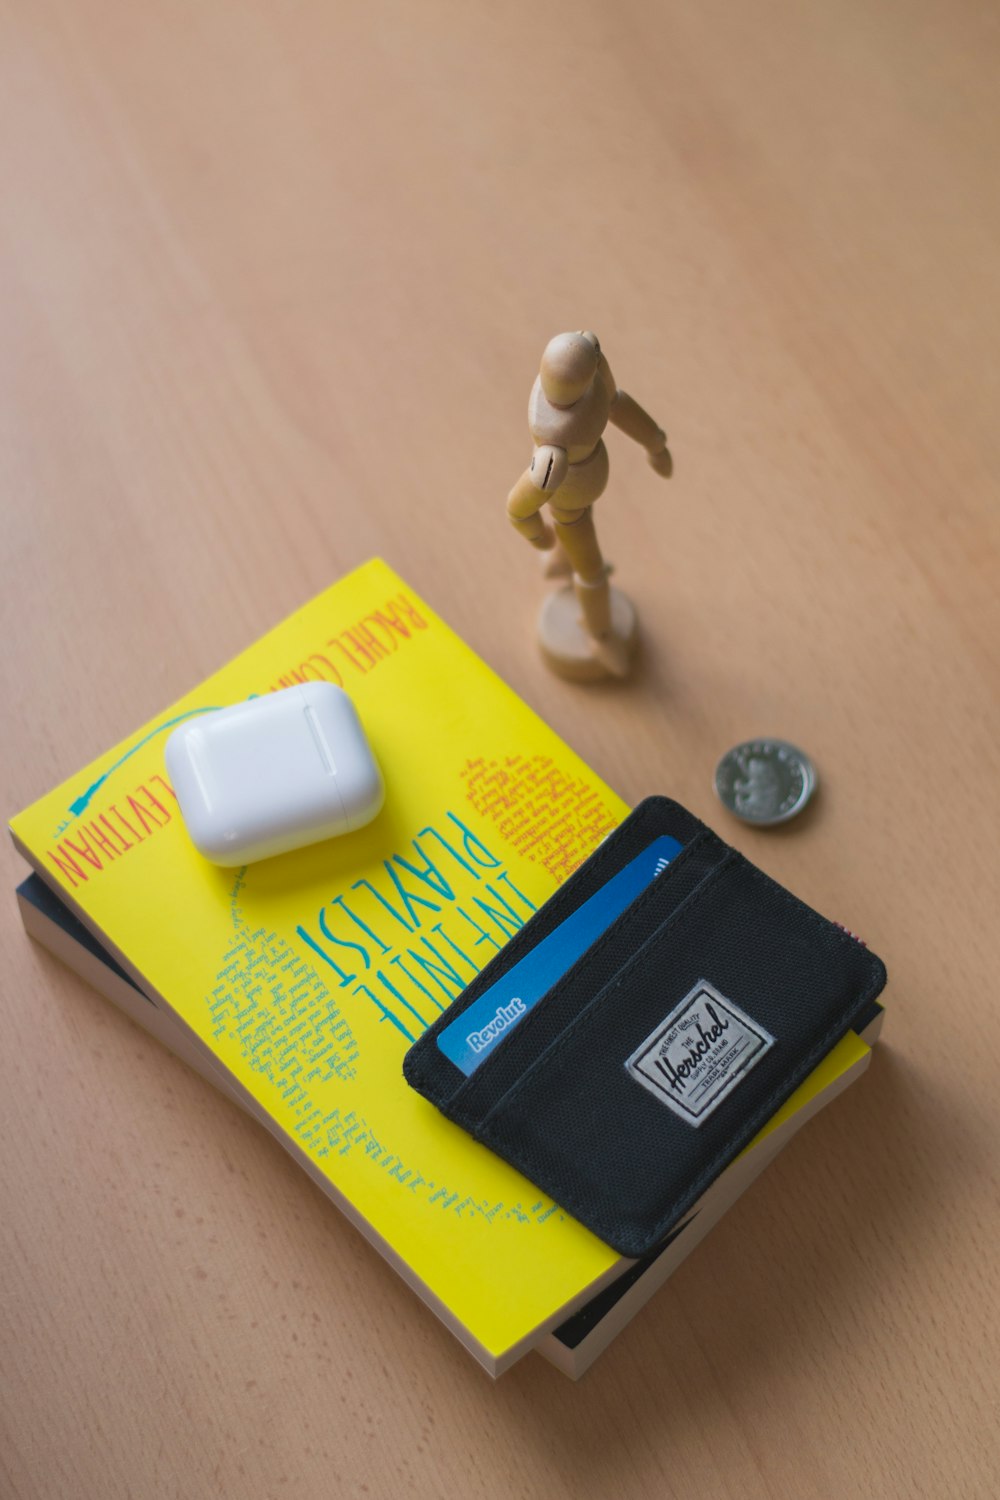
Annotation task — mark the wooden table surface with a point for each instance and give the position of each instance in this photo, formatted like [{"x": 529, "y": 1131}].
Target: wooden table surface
[{"x": 274, "y": 280}]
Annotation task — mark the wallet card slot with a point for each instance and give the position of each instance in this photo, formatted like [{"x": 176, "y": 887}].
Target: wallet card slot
[
  {"x": 579, "y": 986},
  {"x": 626, "y": 1163},
  {"x": 425, "y": 1067}
]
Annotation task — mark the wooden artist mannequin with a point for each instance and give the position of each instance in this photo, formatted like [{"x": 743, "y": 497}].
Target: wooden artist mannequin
[{"x": 587, "y": 629}]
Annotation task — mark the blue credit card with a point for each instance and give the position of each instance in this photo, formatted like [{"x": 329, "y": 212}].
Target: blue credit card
[{"x": 470, "y": 1039}]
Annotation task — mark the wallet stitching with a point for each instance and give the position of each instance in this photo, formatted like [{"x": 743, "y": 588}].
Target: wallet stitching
[
  {"x": 732, "y": 861},
  {"x": 591, "y": 954},
  {"x": 788, "y": 1084},
  {"x": 764, "y": 1111}
]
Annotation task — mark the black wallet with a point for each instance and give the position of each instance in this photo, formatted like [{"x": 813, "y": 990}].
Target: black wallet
[{"x": 655, "y": 1058}]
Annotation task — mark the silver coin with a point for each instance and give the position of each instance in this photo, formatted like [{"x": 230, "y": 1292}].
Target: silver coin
[{"x": 765, "y": 781}]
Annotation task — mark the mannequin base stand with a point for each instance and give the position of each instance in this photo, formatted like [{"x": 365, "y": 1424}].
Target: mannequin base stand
[{"x": 572, "y": 652}]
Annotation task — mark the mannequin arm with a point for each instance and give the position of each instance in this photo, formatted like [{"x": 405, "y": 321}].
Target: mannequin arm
[
  {"x": 537, "y": 484},
  {"x": 639, "y": 425}
]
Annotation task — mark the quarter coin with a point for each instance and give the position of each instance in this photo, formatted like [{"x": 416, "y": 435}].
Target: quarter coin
[{"x": 765, "y": 781}]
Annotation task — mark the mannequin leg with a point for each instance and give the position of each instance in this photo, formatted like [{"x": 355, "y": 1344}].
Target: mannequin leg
[
  {"x": 590, "y": 572},
  {"x": 588, "y": 631}
]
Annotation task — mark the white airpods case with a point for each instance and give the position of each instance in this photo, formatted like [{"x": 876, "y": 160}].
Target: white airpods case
[{"x": 274, "y": 773}]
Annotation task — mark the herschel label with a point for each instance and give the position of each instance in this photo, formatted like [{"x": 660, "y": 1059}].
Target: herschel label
[{"x": 699, "y": 1053}]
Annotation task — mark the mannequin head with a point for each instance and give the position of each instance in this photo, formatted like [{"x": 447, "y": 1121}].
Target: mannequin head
[{"x": 568, "y": 366}]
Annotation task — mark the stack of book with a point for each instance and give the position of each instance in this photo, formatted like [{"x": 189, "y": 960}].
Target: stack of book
[{"x": 296, "y": 985}]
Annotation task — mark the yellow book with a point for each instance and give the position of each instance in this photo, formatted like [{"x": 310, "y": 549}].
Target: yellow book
[{"x": 306, "y": 977}]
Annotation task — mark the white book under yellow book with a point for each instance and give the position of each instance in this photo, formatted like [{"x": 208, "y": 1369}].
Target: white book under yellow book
[{"x": 297, "y": 984}]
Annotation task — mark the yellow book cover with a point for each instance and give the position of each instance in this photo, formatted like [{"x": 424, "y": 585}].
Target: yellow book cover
[{"x": 307, "y": 976}]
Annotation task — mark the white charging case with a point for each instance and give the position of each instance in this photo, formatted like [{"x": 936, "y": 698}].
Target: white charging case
[{"x": 274, "y": 773}]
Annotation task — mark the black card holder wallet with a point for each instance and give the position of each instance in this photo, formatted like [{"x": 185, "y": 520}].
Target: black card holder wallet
[{"x": 660, "y": 1053}]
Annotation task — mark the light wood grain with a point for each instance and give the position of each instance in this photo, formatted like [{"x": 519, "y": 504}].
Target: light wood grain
[{"x": 273, "y": 283}]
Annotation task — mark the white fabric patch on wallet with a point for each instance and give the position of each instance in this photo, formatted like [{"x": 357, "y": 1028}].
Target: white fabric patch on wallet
[{"x": 699, "y": 1053}]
